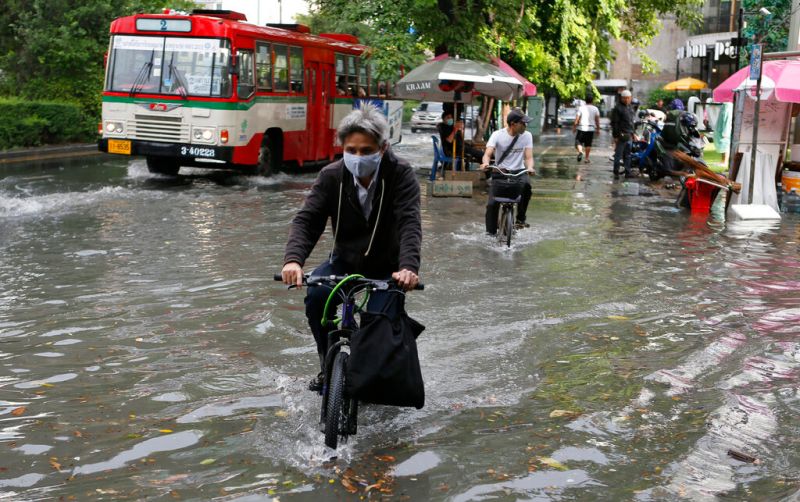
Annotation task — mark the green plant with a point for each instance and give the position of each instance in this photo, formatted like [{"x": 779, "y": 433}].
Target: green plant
[{"x": 32, "y": 123}]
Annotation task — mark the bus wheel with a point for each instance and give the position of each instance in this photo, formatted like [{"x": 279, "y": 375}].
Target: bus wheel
[
  {"x": 264, "y": 167},
  {"x": 162, "y": 165}
]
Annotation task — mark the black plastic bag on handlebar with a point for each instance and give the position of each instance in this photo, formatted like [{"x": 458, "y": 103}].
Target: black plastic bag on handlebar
[{"x": 383, "y": 367}]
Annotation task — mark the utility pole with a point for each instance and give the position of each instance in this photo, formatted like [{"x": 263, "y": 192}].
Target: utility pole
[{"x": 793, "y": 45}]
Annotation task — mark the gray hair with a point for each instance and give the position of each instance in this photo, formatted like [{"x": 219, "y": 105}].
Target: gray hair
[{"x": 368, "y": 119}]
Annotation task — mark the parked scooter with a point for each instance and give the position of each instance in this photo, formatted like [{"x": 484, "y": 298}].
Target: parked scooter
[
  {"x": 644, "y": 154},
  {"x": 653, "y": 152}
]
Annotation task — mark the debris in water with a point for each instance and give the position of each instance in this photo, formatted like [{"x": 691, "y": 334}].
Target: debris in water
[{"x": 743, "y": 457}]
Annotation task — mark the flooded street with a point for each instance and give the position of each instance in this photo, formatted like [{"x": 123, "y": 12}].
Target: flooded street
[{"x": 619, "y": 350}]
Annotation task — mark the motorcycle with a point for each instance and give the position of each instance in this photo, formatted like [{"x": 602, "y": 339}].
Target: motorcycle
[{"x": 652, "y": 152}]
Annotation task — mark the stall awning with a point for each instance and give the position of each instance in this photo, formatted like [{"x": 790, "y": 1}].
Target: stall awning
[
  {"x": 610, "y": 82},
  {"x": 529, "y": 89}
]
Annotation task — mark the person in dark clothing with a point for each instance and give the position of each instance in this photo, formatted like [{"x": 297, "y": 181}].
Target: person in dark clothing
[
  {"x": 450, "y": 130},
  {"x": 372, "y": 198},
  {"x": 622, "y": 122}
]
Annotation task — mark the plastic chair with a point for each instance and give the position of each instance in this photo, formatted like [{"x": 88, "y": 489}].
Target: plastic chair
[{"x": 440, "y": 157}]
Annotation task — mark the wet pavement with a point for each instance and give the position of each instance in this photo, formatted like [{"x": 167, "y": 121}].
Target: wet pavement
[{"x": 621, "y": 349}]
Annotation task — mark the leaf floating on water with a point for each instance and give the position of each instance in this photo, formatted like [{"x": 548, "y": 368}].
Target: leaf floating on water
[
  {"x": 555, "y": 464},
  {"x": 18, "y": 411},
  {"x": 165, "y": 431},
  {"x": 54, "y": 464},
  {"x": 208, "y": 461},
  {"x": 385, "y": 458},
  {"x": 349, "y": 485},
  {"x": 564, "y": 413},
  {"x": 281, "y": 413},
  {"x": 618, "y": 317}
]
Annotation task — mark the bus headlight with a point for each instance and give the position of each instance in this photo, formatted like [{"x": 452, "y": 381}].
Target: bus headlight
[
  {"x": 203, "y": 134},
  {"x": 114, "y": 127}
]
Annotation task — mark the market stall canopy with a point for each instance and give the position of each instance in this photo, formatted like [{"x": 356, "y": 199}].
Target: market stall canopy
[
  {"x": 455, "y": 80},
  {"x": 686, "y": 84},
  {"x": 780, "y": 79},
  {"x": 528, "y": 88}
]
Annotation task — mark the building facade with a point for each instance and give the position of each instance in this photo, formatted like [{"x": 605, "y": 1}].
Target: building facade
[{"x": 707, "y": 53}]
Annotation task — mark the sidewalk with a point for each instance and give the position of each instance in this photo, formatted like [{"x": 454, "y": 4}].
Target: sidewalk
[{"x": 46, "y": 153}]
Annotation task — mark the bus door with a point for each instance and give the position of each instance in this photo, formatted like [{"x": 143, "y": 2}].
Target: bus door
[{"x": 319, "y": 76}]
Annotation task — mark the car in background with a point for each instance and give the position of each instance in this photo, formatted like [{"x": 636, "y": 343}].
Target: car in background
[
  {"x": 470, "y": 115},
  {"x": 566, "y": 116},
  {"x": 427, "y": 116}
]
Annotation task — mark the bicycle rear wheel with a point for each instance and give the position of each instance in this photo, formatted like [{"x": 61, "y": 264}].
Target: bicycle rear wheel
[{"x": 338, "y": 409}]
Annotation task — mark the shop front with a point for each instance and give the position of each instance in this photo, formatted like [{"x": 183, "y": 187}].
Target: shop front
[{"x": 710, "y": 57}]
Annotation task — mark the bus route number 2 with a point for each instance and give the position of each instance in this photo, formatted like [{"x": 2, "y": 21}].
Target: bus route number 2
[{"x": 193, "y": 151}]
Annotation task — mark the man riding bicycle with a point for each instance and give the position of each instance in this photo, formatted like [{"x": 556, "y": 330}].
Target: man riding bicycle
[
  {"x": 372, "y": 199},
  {"x": 514, "y": 146}
]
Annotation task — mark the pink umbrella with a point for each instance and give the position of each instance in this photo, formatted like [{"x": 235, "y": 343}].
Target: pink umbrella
[{"x": 781, "y": 78}]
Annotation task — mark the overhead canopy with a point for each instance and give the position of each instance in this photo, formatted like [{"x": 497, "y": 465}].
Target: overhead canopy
[
  {"x": 780, "y": 79},
  {"x": 529, "y": 89},
  {"x": 610, "y": 82},
  {"x": 456, "y": 80}
]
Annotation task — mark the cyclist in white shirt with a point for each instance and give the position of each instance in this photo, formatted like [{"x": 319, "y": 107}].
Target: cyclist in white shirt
[
  {"x": 518, "y": 158},
  {"x": 587, "y": 122}
]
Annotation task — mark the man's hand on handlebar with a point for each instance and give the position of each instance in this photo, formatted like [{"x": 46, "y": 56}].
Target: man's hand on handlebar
[
  {"x": 406, "y": 279},
  {"x": 292, "y": 274}
]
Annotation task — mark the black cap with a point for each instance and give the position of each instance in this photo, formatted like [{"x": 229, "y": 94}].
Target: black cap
[{"x": 516, "y": 115}]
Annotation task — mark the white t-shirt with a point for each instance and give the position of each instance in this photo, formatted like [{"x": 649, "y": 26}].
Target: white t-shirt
[
  {"x": 500, "y": 141},
  {"x": 587, "y": 116}
]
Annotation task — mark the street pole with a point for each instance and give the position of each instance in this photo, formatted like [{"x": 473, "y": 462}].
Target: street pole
[
  {"x": 793, "y": 45},
  {"x": 754, "y": 147}
]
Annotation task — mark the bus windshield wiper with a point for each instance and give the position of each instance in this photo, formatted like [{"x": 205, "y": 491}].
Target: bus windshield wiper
[
  {"x": 173, "y": 71},
  {"x": 143, "y": 75}
]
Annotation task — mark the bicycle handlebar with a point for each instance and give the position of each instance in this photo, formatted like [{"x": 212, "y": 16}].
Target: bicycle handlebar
[
  {"x": 335, "y": 279},
  {"x": 505, "y": 171}
]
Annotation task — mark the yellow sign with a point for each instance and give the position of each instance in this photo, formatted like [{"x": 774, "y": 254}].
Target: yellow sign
[{"x": 120, "y": 146}]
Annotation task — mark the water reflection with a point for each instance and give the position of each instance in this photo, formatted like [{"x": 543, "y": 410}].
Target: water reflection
[{"x": 619, "y": 350}]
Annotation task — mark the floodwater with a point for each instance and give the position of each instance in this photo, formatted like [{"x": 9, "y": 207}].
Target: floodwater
[{"x": 619, "y": 350}]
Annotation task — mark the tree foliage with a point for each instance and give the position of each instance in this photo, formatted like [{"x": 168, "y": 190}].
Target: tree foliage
[
  {"x": 772, "y": 30},
  {"x": 53, "y": 49},
  {"x": 555, "y": 43}
]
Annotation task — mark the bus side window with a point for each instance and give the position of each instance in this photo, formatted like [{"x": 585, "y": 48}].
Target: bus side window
[
  {"x": 263, "y": 67},
  {"x": 363, "y": 81},
  {"x": 373, "y": 80},
  {"x": 352, "y": 74},
  {"x": 296, "y": 68},
  {"x": 246, "y": 81},
  {"x": 341, "y": 76},
  {"x": 281, "y": 67}
]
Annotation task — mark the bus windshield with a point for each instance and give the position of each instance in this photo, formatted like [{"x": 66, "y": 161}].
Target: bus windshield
[{"x": 179, "y": 66}]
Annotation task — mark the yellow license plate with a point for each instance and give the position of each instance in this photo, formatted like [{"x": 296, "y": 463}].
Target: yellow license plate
[{"x": 121, "y": 146}]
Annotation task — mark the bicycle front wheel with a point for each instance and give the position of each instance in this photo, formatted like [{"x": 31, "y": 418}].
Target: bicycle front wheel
[
  {"x": 338, "y": 407},
  {"x": 509, "y": 225}
]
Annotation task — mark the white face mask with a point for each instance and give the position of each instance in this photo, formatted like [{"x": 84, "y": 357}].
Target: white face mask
[{"x": 362, "y": 165}]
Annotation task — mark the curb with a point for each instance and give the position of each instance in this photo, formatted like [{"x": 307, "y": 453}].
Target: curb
[{"x": 46, "y": 153}]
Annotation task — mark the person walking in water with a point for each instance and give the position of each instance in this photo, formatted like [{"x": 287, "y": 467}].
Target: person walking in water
[{"x": 587, "y": 122}]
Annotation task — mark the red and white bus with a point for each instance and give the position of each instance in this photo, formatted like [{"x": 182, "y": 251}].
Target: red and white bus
[{"x": 209, "y": 89}]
